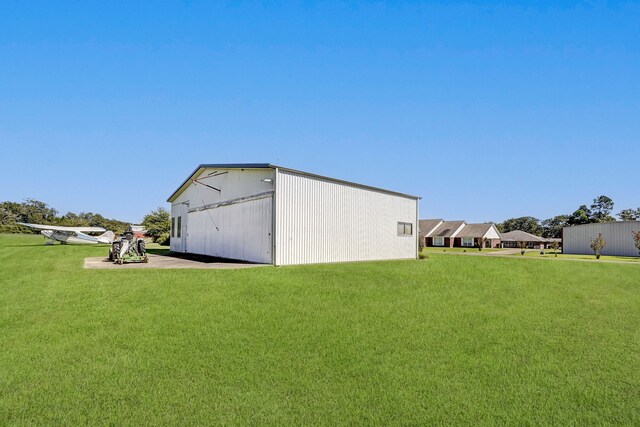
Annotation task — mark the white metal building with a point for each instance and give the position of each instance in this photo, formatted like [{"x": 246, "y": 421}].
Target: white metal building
[
  {"x": 269, "y": 214},
  {"x": 577, "y": 239}
]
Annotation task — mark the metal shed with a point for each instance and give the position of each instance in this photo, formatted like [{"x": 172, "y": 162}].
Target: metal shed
[
  {"x": 577, "y": 239},
  {"x": 270, "y": 214}
]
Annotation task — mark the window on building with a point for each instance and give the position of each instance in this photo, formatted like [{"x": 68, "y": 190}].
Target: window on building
[
  {"x": 179, "y": 228},
  {"x": 438, "y": 241},
  {"x": 467, "y": 241},
  {"x": 405, "y": 229},
  {"x": 173, "y": 226}
]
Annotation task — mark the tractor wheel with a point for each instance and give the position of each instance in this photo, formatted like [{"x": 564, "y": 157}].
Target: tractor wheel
[
  {"x": 115, "y": 251},
  {"x": 110, "y": 255},
  {"x": 142, "y": 247},
  {"x": 120, "y": 261}
]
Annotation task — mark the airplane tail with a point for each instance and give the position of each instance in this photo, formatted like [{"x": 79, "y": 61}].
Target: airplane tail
[{"x": 107, "y": 237}]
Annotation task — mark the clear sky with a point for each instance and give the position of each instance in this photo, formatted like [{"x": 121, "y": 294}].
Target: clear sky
[{"x": 488, "y": 110}]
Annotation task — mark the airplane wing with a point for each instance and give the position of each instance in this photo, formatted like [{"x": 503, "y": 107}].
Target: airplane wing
[{"x": 69, "y": 229}]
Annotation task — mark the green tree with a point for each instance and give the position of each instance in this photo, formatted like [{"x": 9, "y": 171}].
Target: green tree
[
  {"x": 527, "y": 224},
  {"x": 31, "y": 211},
  {"x": 552, "y": 227},
  {"x": 582, "y": 215},
  {"x": 9, "y": 212},
  {"x": 71, "y": 219},
  {"x": 601, "y": 209},
  {"x": 598, "y": 244},
  {"x": 158, "y": 225},
  {"x": 629, "y": 214}
]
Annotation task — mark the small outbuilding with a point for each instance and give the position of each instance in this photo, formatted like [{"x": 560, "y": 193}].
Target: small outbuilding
[
  {"x": 270, "y": 214},
  {"x": 577, "y": 239}
]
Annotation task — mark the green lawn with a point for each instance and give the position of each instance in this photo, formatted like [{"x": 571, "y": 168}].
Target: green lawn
[
  {"x": 438, "y": 249},
  {"x": 549, "y": 253},
  {"x": 448, "y": 340}
]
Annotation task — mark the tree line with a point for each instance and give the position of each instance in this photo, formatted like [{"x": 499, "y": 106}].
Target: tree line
[
  {"x": 599, "y": 211},
  {"x": 157, "y": 223}
]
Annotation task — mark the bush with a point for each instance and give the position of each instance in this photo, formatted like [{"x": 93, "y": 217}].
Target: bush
[{"x": 598, "y": 244}]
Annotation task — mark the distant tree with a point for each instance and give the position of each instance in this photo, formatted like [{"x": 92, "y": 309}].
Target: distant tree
[
  {"x": 158, "y": 225},
  {"x": 523, "y": 247},
  {"x": 552, "y": 227},
  {"x": 598, "y": 244},
  {"x": 555, "y": 245},
  {"x": 636, "y": 239},
  {"x": 582, "y": 215},
  {"x": 71, "y": 219},
  {"x": 527, "y": 224},
  {"x": 31, "y": 211},
  {"x": 629, "y": 214},
  {"x": 97, "y": 220},
  {"x": 7, "y": 215},
  {"x": 601, "y": 209},
  {"x": 480, "y": 242},
  {"x": 35, "y": 211}
]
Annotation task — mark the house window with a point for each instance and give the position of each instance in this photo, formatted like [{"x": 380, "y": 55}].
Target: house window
[
  {"x": 179, "y": 227},
  {"x": 405, "y": 229},
  {"x": 438, "y": 241},
  {"x": 467, "y": 241},
  {"x": 173, "y": 226}
]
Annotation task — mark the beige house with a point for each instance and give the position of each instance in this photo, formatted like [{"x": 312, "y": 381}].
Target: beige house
[
  {"x": 512, "y": 239},
  {"x": 440, "y": 233}
]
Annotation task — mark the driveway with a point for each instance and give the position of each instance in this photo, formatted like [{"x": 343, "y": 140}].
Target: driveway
[{"x": 168, "y": 261}]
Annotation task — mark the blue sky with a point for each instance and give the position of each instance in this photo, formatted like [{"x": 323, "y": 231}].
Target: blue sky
[{"x": 488, "y": 110}]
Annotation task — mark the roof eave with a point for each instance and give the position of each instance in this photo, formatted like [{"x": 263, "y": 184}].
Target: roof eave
[{"x": 203, "y": 166}]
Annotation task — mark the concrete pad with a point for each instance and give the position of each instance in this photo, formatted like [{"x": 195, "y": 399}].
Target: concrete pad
[{"x": 167, "y": 261}]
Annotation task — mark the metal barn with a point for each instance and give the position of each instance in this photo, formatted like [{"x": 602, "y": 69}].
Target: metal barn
[
  {"x": 577, "y": 239},
  {"x": 269, "y": 214}
]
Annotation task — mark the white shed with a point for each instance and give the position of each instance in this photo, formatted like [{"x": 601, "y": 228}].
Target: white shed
[
  {"x": 269, "y": 214},
  {"x": 577, "y": 239}
]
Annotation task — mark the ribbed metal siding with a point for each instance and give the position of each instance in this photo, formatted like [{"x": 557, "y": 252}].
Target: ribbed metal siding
[
  {"x": 577, "y": 239},
  {"x": 243, "y": 233},
  {"x": 323, "y": 221}
]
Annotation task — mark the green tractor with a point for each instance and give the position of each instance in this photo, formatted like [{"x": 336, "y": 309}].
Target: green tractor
[{"x": 128, "y": 249}]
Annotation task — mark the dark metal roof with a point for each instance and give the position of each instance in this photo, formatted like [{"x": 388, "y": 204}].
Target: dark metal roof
[{"x": 203, "y": 166}]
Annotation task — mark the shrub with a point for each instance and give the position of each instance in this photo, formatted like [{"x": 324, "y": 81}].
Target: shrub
[
  {"x": 598, "y": 244},
  {"x": 636, "y": 239},
  {"x": 523, "y": 247}
]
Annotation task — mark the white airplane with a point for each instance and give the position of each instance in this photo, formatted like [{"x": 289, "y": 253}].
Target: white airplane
[{"x": 74, "y": 235}]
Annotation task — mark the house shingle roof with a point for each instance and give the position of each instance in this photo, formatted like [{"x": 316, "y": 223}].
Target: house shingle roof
[
  {"x": 426, "y": 225},
  {"x": 475, "y": 230},
  {"x": 446, "y": 229},
  {"x": 521, "y": 236}
]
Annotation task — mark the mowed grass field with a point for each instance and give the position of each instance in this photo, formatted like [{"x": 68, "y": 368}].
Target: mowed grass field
[{"x": 451, "y": 339}]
